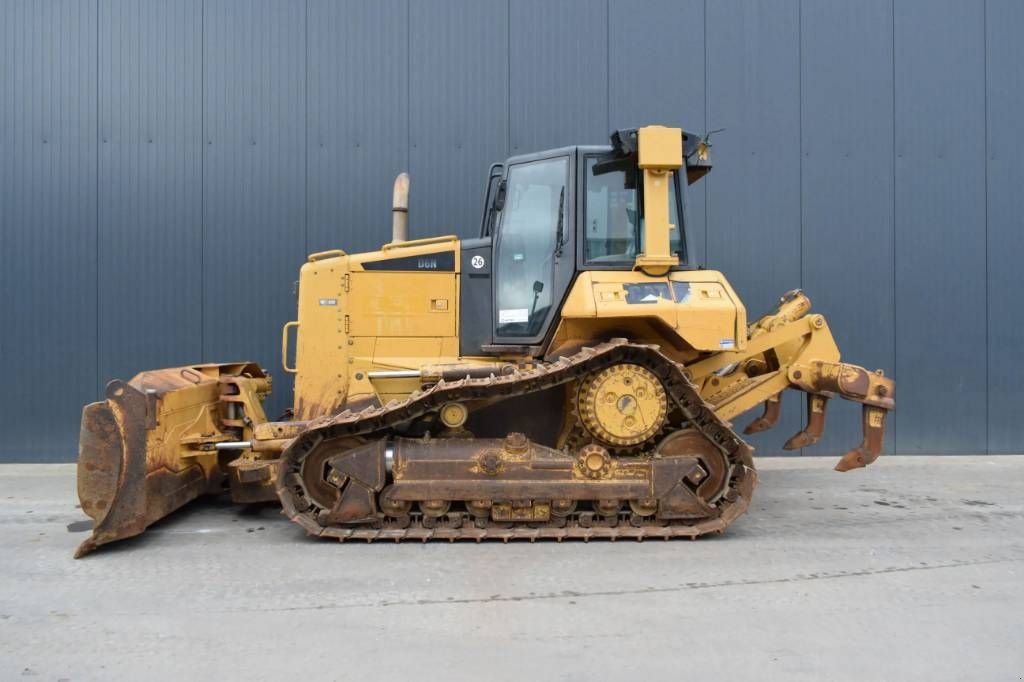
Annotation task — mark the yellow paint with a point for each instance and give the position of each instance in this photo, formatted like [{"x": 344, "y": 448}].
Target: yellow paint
[
  {"x": 416, "y": 247},
  {"x": 354, "y": 320},
  {"x": 321, "y": 347},
  {"x": 710, "y": 317},
  {"x": 712, "y": 314},
  {"x": 624, "y": 404},
  {"x": 660, "y": 148},
  {"x": 660, "y": 154},
  {"x": 735, "y": 392},
  {"x": 403, "y": 304}
]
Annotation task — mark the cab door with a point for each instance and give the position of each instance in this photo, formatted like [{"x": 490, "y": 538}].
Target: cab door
[{"x": 534, "y": 254}]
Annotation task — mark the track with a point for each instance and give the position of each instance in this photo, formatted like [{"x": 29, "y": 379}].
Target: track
[{"x": 688, "y": 410}]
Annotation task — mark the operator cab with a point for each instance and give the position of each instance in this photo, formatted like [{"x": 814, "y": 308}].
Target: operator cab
[{"x": 548, "y": 216}]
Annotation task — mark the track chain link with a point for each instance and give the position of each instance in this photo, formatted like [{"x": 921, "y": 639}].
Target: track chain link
[{"x": 379, "y": 422}]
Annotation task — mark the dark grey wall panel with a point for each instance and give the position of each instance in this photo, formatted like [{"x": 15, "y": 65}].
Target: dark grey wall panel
[
  {"x": 165, "y": 167},
  {"x": 847, "y": 195},
  {"x": 558, "y": 74},
  {"x": 48, "y": 225},
  {"x": 754, "y": 228},
  {"x": 254, "y": 205},
  {"x": 458, "y": 111},
  {"x": 358, "y": 120},
  {"x": 150, "y": 185},
  {"x": 1005, "y": 175},
  {"x": 940, "y": 226},
  {"x": 660, "y": 79}
]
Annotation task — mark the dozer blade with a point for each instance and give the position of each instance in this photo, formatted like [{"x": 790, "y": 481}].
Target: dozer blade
[{"x": 147, "y": 449}]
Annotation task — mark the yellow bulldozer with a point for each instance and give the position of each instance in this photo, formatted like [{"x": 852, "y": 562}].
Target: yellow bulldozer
[{"x": 567, "y": 374}]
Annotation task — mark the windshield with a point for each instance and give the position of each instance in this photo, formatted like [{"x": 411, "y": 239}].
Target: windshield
[{"x": 613, "y": 229}]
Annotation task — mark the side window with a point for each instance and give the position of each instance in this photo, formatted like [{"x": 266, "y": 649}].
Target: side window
[
  {"x": 676, "y": 242},
  {"x": 535, "y": 201},
  {"x": 613, "y": 223},
  {"x": 611, "y": 218}
]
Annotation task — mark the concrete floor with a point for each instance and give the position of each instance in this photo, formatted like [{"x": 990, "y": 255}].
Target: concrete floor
[{"x": 911, "y": 569}]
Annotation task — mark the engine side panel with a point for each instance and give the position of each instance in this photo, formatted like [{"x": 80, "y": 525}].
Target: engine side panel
[
  {"x": 392, "y": 309},
  {"x": 322, "y": 343}
]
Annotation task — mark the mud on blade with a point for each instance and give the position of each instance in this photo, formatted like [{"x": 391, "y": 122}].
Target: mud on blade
[{"x": 147, "y": 449}]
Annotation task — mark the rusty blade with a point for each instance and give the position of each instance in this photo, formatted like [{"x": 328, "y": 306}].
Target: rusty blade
[{"x": 133, "y": 466}]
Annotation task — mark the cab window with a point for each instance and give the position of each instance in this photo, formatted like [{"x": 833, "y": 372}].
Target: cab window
[
  {"x": 613, "y": 223},
  {"x": 535, "y": 203}
]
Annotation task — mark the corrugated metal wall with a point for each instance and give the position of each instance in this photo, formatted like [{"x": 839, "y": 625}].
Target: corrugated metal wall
[{"x": 166, "y": 165}]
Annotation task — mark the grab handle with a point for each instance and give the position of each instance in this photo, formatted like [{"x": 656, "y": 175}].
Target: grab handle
[{"x": 284, "y": 346}]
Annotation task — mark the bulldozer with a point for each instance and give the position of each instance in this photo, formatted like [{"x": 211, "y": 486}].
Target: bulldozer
[{"x": 569, "y": 373}]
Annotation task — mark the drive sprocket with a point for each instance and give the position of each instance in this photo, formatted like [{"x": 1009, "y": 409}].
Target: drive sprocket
[{"x": 622, "y": 405}]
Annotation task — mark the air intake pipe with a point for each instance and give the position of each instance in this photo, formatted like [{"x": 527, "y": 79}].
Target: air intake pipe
[{"x": 400, "y": 209}]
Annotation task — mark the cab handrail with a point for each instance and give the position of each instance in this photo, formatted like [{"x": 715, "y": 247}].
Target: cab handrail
[
  {"x": 321, "y": 255},
  {"x": 390, "y": 246}
]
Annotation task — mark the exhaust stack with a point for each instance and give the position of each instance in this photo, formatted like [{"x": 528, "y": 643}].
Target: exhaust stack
[{"x": 400, "y": 209}]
